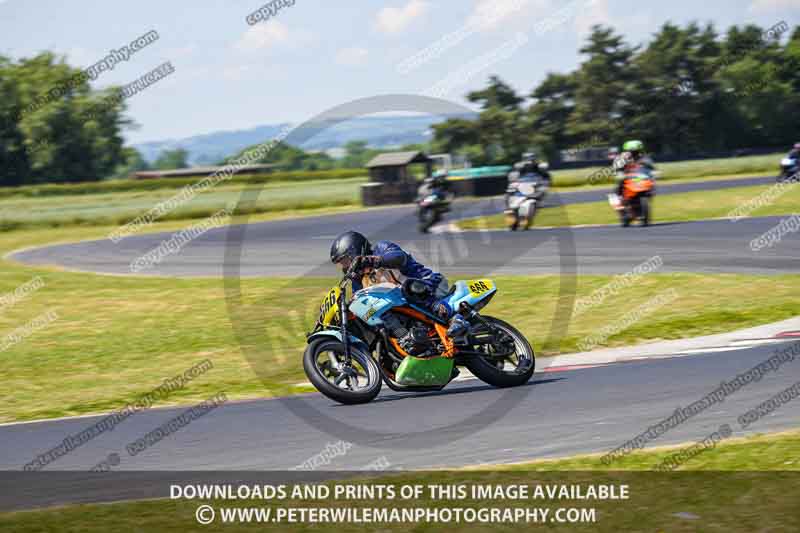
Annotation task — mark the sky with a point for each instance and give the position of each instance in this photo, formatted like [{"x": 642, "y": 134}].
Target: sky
[{"x": 311, "y": 55}]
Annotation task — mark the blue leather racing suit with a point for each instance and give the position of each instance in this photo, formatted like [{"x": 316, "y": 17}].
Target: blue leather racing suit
[{"x": 395, "y": 258}]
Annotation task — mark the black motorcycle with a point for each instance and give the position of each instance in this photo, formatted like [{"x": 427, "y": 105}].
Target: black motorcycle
[{"x": 433, "y": 201}]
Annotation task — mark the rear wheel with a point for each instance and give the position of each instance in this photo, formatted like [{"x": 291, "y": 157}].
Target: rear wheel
[
  {"x": 427, "y": 218},
  {"x": 510, "y": 370},
  {"x": 644, "y": 210},
  {"x": 323, "y": 362},
  {"x": 625, "y": 217}
]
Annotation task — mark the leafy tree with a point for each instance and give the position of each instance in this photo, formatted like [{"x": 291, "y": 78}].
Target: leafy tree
[
  {"x": 357, "y": 154},
  {"x": 498, "y": 95},
  {"x": 603, "y": 84},
  {"x": 133, "y": 162},
  {"x": 687, "y": 91},
  {"x": 14, "y": 163},
  {"x": 171, "y": 159},
  {"x": 57, "y": 128},
  {"x": 547, "y": 117},
  {"x": 288, "y": 157}
]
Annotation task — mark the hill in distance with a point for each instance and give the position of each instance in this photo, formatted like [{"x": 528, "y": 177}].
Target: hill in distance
[{"x": 377, "y": 131}]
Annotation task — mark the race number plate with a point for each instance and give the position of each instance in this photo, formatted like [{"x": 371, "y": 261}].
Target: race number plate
[
  {"x": 328, "y": 309},
  {"x": 478, "y": 287}
]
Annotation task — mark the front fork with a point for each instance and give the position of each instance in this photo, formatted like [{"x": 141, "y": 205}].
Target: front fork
[
  {"x": 345, "y": 337},
  {"x": 471, "y": 314}
]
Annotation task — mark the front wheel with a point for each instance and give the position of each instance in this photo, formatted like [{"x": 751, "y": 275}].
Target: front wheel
[
  {"x": 324, "y": 365},
  {"x": 529, "y": 218},
  {"x": 509, "y": 359},
  {"x": 512, "y": 220}
]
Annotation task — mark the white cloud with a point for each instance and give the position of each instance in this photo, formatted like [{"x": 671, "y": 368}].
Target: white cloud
[
  {"x": 352, "y": 57},
  {"x": 181, "y": 51},
  {"x": 79, "y": 56},
  {"x": 591, "y": 13},
  {"x": 493, "y": 14},
  {"x": 396, "y": 19},
  {"x": 766, "y": 6},
  {"x": 263, "y": 36}
]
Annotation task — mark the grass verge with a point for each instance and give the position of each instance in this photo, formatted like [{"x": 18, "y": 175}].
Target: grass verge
[
  {"x": 763, "y": 498},
  {"x": 766, "y": 165},
  {"x": 671, "y": 207},
  {"x": 277, "y": 199}
]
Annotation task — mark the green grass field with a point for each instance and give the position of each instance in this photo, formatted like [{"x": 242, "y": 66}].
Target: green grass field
[
  {"x": 284, "y": 193},
  {"x": 144, "y": 185},
  {"x": 766, "y": 165},
  {"x": 708, "y": 495},
  {"x": 666, "y": 208},
  {"x": 122, "y": 207}
]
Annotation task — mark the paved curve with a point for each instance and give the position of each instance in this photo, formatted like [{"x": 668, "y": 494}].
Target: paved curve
[
  {"x": 557, "y": 414},
  {"x": 293, "y": 247}
]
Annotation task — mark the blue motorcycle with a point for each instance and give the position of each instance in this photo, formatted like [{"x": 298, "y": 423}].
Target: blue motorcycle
[{"x": 381, "y": 335}]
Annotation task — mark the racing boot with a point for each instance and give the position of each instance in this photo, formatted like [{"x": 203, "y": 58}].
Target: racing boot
[{"x": 458, "y": 330}]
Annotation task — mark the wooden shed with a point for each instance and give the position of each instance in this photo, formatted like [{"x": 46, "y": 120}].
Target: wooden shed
[{"x": 392, "y": 180}]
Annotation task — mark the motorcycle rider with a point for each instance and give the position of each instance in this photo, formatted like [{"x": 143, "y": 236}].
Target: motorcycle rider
[
  {"x": 530, "y": 165},
  {"x": 795, "y": 152},
  {"x": 633, "y": 155},
  {"x": 421, "y": 283},
  {"x": 436, "y": 182}
]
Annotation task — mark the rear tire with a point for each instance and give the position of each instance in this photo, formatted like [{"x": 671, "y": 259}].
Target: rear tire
[
  {"x": 489, "y": 372},
  {"x": 624, "y": 217},
  {"x": 427, "y": 218},
  {"x": 644, "y": 210},
  {"x": 323, "y": 382}
]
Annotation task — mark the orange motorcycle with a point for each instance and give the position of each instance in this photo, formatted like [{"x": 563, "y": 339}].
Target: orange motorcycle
[{"x": 638, "y": 187}]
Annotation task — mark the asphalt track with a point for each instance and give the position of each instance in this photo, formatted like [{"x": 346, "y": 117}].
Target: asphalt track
[
  {"x": 557, "y": 414},
  {"x": 300, "y": 246}
]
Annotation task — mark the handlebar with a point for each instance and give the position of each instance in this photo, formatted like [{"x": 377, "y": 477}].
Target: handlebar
[{"x": 351, "y": 274}]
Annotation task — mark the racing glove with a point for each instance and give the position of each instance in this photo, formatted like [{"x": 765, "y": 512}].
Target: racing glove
[{"x": 367, "y": 261}]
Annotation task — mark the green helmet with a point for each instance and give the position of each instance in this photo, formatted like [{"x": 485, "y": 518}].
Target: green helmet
[{"x": 633, "y": 146}]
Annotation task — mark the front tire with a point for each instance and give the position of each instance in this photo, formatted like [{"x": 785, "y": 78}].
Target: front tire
[
  {"x": 512, "y": 219},
  {"x": 360, "y": 385},
  {"x": 529, "y": 219},
  {"x": 495, "y": 371}
]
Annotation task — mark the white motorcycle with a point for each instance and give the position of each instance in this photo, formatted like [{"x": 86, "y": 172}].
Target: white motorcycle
[{"x": 523, "y": 197}]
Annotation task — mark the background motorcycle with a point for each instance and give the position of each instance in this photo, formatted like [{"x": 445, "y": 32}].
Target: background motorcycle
[
  {"x": 789, "y": 168},
  {"x": 637, "y": 191},
  {"x": 379, "y": 335},
  {"x": 523, "y": 196},
  {"x": 433, "y": 201}
]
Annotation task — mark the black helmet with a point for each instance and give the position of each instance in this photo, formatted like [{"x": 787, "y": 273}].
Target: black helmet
[{"x": 349, "y": 244}]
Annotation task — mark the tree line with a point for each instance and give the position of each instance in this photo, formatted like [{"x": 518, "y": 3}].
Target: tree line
[
  {"x": 688, "y": 91},
  {"x": 54, "y": 129}
]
